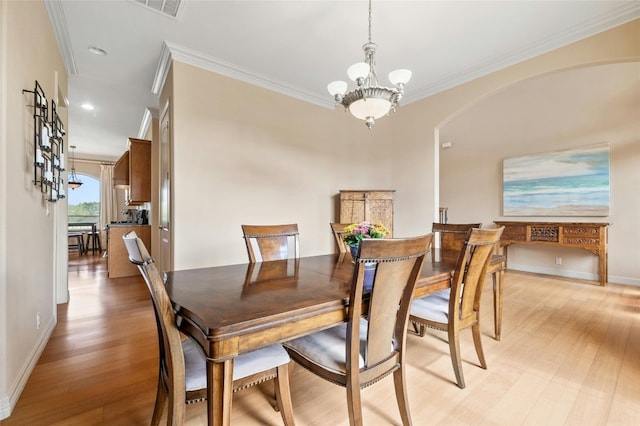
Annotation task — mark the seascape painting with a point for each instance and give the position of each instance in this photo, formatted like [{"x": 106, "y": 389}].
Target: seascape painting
[{"x": 561, "y": 183}]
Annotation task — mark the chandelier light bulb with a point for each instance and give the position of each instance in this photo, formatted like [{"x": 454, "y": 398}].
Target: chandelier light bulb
[
  {"x": 337, "y": 87},
  {"x": 401, "y": 76},
  {"x": 359, "y": 70}
]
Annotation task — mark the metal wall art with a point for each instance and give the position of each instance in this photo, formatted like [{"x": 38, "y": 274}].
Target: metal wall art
[{"x": 48, "y": 146}]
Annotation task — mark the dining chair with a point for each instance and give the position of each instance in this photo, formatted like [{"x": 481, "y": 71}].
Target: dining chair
[
  {"x": 182, "y": 374},
  {"x": 271, "y": 242},
  {"x": 451, "y": 236},
  {"x": 338, "y": 230},
  {"x": 370, "y": 345},
  {"x": 458, "y": 307}
]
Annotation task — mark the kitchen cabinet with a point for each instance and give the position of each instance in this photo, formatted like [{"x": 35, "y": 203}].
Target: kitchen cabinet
[
  {"x": 132, "y": 172},
  {"x": 369, "y": 205},
  {"x": 118, "y": 264},
  {"x": 121, "y": 171}
]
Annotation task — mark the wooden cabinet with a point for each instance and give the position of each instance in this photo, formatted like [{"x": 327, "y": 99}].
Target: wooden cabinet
[
  {"x": 370, "y": 205},
  {"x": 118, "y": 264},
  {"x": 132, "y": 172},
  {"x": 121, "y": 171},
  {"x": 586, "y": 235}
]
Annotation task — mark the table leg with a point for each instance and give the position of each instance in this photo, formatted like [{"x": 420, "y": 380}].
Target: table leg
[
  {"x": 219, "y": 392},
  {"x": 603, "y": 273}
]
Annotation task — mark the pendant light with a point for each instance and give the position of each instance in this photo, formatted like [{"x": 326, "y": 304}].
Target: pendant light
[{"x": 74, "y": 181}]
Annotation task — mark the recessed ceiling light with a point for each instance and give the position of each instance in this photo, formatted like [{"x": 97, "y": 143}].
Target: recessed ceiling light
[
  {"x": 88, "y": 107},
  {"x": 97, "y": 51}
]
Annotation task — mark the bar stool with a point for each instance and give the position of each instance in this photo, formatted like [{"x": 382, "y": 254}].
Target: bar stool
[
  {"x": 79, "y": 244},
  {"x": 93, "y": 242}
]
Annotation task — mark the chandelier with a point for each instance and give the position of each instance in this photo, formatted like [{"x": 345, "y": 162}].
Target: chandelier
[
  {"x": 74, "y": 181},
  {"x": 369, "y": 101}
]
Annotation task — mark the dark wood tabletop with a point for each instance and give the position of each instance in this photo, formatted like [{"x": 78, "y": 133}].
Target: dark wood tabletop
[{"x": 232, "y": 300}]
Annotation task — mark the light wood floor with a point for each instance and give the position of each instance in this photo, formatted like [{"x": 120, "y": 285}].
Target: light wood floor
[{"x": 569, "y": 355}]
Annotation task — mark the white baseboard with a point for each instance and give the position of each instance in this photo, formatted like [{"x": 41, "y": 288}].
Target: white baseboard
[
  {"x": 8, "y": 402},
  {"x": 573, "y": 274}
]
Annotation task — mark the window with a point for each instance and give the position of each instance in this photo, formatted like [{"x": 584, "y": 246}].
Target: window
[{"x": 84, "y": 202}]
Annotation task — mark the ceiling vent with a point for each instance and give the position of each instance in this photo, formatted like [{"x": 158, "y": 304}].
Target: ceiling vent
[{"x": 166, "y": 7}]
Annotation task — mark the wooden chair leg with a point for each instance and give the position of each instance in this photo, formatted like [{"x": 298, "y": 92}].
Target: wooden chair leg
[
  {"x": 354, "y": 403},
  {"x": 283, "y": 395},
  {"x": 401, "y": 396},
  {"x": 475, "y": 330},
  {"x": 456, "y": 361},
  {"x": 418, "y": 328},
  {"x": 161, "y": 399},
  {"x": 177, "y": 406},
  {"x": 498, "y": 280}
]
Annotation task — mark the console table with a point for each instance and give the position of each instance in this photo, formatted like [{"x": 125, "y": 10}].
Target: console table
[{"x": 589, "y": 236}]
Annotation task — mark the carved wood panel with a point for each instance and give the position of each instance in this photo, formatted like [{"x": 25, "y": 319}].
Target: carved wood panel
[{"x": 373, "y": 206}]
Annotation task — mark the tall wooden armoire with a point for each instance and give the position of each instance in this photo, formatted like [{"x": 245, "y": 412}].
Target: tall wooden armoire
[{"x": 368, "y": 205}]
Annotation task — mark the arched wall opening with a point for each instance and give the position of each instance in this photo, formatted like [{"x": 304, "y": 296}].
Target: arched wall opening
[{"x": 567, "y": 108}]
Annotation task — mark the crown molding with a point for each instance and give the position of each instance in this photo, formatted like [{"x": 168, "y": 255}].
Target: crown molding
[
  {"x": 174, "y": 52},
  {"x": 149, "y": 114},
  {"x": 61, "y": 32},
  {"x": 162, "y": 69},
  {"x": 613, "y": 18}
]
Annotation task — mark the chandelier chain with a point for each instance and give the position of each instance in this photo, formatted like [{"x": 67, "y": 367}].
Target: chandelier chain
[{"x": 369, "y": 21}]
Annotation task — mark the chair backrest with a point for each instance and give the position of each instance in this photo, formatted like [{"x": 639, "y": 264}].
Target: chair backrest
[
  {"x": 171, "y": 355},
  {"x": 451, "y": 236},
  {"x": 393, "y": 265},
  {"x": 271, "y": 242},
  {"x": 469, "y": 274},
  {"x": 338, "y": 230}
]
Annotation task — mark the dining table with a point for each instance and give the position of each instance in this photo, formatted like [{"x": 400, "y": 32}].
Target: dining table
[{"x": 234, "y": 309}]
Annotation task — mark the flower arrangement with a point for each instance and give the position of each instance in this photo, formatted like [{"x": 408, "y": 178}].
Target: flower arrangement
[{"x": 356, "y": 232}]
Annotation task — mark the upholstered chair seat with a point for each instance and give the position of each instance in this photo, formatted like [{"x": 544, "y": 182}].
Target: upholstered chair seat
[
  {"x": 244, "y": 366},
  {"x": 433, "y": 308},
  {"x": 326, "y": 347}
]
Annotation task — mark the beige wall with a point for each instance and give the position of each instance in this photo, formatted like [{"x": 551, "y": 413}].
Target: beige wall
[
  {"x": 242, "y": 154},
  {"x": 418, "y": 123},
  {"x": 33, "y": 242},
  {"x": 568, "y": 109},
  {"x": 246, "y": 155}
]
